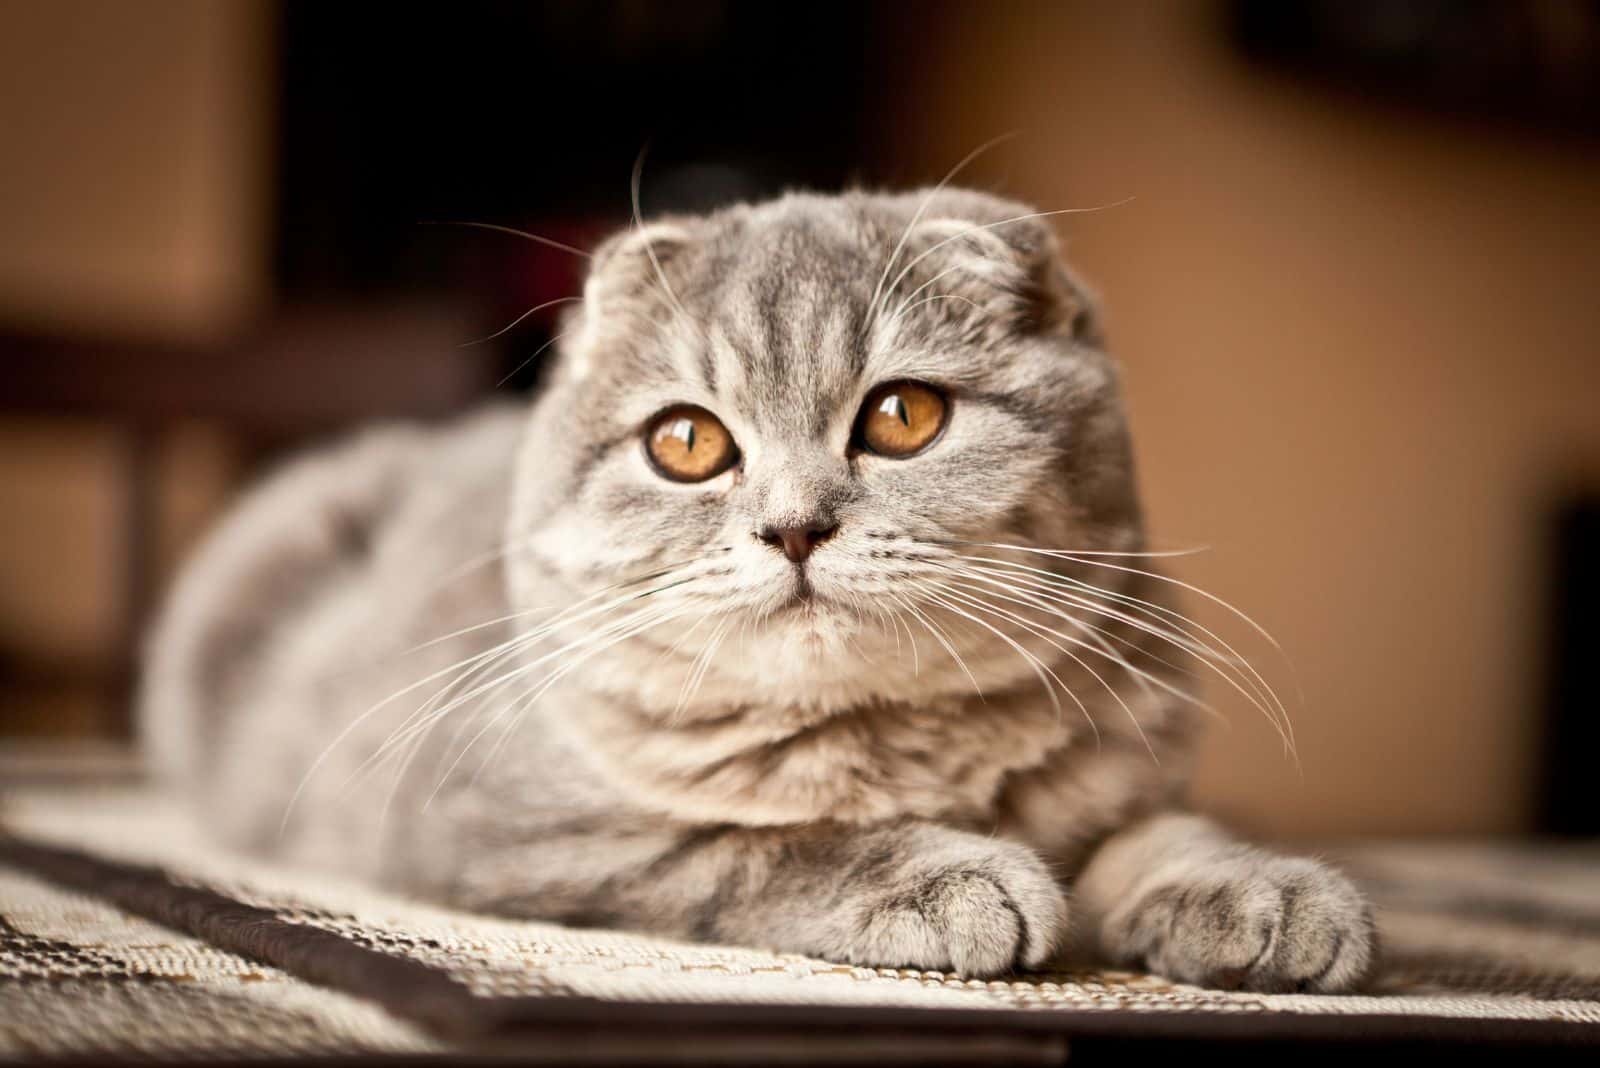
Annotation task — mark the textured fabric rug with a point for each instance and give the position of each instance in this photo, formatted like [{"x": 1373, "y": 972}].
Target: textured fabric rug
[{"x": 123, "y": 932}]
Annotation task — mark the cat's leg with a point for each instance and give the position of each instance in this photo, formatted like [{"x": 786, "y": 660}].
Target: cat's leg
[
  {"x": 909, "y": 894},
  {"x": 1176, "y": 894}
]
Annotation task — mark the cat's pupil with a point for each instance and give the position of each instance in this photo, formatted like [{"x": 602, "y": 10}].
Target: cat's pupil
[
  {"x": 895, "y": 408},
  {"x": 683, "y": 430}
]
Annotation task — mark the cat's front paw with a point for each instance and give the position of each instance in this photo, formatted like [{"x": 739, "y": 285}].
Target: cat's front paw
[
  {"x": 994, "y": 910},
  {"x": 1259, "y": 922}
]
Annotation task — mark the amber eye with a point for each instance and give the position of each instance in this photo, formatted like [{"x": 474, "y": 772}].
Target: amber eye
[
  {"x": 689, "y": 444},
  {"x": 900, "y": 419}
]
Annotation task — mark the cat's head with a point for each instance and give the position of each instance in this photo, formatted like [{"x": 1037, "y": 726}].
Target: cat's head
[{"x": 776, "y": 427}]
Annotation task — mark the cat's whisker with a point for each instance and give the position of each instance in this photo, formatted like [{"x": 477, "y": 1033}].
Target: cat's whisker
[
  {"x": 698, "y": 669},
  {"x": 937, "y": 245},
  {"x": 1057, "y": 588},
  {"x": 506, "y": 548},
  {"x": 1147, "y": 681},
  {"x": 684, "y": 635},
  {"x": 420, "y": 723},
  {"x": 562, "y": 619},
  {"x": 692, "y": 673},
  {"x": 468, "y": 722},
  {"x": 554, "y": 338},
  {"x": 518, "y": 321},
  {"x": 984, "y": 605},
  {"x": 1085, "y": 665},
  {"x": 905, "y": 235},
  {"x": 901, "y": 309},
  {"x": 474, "y": 628},
  {"x": 939, "y": 636},
  {"x": 514, "y": 712},
  {"x": 1283, "y": 710},
  {"x": 929, "y": 300},
  {"x": 1067, "y": 554},
  {"x": 1077, "y": 592},
  {"x": 535, "y": 238},
  {"x": 911, "y": 638},
  {"x": 1267, "y": 701},
  {"x": 1096, "y": 637},
  {"x": 1087, "y": 558},
  {"x": 528, "y": 667},
  {"x": 655, "y": 574},
  {"x": 354, "y": 724},
  {"x": 887, "y": 626},
  {"x": 1201, "y": 652},
  {"x": 649, "y": 246},
  {"x": 615, "y": 631},
  {"x": 428, "y": 714},
  {"x": 1191, "y": 551},
  {"x": 855, "y": 609},
  {"x": 1040, "y": 591},
  {"x": 472, "y": 564},
  {"x": 1039, "y": 668},
  {"x": 520, "y": 707}
]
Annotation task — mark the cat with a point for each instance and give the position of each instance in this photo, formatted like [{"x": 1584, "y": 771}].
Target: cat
[{"x": 806, "y": 606}]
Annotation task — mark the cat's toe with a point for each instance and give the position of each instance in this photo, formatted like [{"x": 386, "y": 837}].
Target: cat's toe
[
  {"x": 1325, "y": 934},
  {"x": 1275, "y": 925},
  {"x": 977, "y": 919}
]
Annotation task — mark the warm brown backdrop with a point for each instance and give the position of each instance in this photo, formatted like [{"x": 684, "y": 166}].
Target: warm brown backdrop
[{"x": 1359, "y": 344}]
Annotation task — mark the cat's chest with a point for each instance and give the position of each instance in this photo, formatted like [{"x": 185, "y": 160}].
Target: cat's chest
[{"x": 943, "y": 761}]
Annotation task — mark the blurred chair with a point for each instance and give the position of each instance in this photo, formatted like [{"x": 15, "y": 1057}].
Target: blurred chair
[{"x": 306, "y": 375}]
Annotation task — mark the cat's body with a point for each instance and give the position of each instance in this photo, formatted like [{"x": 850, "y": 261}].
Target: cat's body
[{"x": 804, "y": 702}]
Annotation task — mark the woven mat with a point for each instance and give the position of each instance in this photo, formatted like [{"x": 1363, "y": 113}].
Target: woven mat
[{"x": 122, "y": 931}]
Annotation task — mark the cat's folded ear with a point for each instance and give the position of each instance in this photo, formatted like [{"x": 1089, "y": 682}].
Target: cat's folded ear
[
  {"x": 637, "y": 262},
  {"x": 630, "y": 283},
  {"x": 1001, "y": 258}
]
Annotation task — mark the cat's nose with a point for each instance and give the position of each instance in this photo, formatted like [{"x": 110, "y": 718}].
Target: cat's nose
[{"x": 797, "y": 541}]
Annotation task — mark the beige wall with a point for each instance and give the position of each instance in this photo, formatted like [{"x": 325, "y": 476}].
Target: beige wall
[
  {"x": 1361, "y": 351},
  {"x": 134, "y": 175},
  {"x": 132, "y": 189}
]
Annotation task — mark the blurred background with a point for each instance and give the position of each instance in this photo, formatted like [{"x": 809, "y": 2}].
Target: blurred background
[{"x": 1354, "y": 291}]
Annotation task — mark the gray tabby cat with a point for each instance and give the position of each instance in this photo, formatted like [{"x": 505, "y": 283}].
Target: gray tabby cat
[{"x": 804, "y": 608}]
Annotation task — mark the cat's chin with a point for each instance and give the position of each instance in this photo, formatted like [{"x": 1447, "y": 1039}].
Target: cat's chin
[{"x": 806, "y": 621}]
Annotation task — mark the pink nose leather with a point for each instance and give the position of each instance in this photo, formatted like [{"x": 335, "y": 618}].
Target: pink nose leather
[{"x": 797, "y": 542}]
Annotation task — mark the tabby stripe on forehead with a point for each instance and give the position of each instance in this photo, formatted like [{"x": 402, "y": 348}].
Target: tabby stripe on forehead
[
  {"x": 1036, "y": 419},
  {"x": 597, "y": 453},
  {"x": 708, "y": 367}
]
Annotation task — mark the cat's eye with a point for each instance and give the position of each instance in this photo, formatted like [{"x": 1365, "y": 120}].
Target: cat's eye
[
  {"x": 689, "y": 444},
  {"x": 900, "y": 419}
]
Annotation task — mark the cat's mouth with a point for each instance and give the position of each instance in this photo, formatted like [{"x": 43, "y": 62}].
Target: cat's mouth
[{"x": 801, "y": 598}]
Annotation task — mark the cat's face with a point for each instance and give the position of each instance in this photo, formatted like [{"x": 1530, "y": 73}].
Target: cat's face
[{"x": 796, "y": 413}]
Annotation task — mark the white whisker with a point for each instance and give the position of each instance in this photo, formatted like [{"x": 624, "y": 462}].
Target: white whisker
[
  {"x": 931, "y": 249},
  {"x": 649, "y": 246},
  {"x": 536, "y": 354},
  {"x": 878, "y": 290},
  {"x": 943, "y": 640},
  {"x": 535, "y": 238},
  {"x": 1145, "y": 679},
  {"x": 1263, "y": 698},
  {"x": 513, "y": 324},
  {"x": 1039, "y": 668}
]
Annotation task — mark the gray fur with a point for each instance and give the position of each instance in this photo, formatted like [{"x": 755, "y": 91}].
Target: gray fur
[{"x": 877, "y": 773}]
